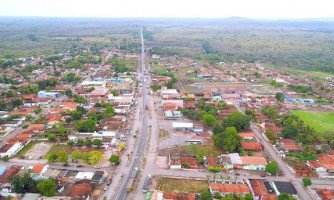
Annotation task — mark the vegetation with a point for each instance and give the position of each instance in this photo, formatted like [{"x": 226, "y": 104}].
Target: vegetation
[
  {"x": 302, "y": 156},
  {"x": 206, "y": 195},
  {"x": 183, "y": 185},
  {"x": 285, "y": 196},
  {"x": 229, "y": 140},
  {"x": 320, "y": 121},
  {"x": 272, "y": 168},
  {"x": 209, "y": 119},
  {"x": 307, "y": 182},
  {"x": 235, "y": 119},
  {"x": 47, "y": 187},
  {"x": 114, "y": 159},
  {"x": 23, "y": 183}
]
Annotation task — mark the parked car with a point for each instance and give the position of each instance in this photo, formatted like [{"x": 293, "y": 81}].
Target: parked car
[
  {"x": 105, "y": 187},
  {"x": 66, "y": 165},
  {"x": 263, "y": 175},
  {"x": 79, "y": 166},
  {"x": 97, "y": 167},
  {"x": 237, "y": 174},
  {"x": 109, "y": 182}
]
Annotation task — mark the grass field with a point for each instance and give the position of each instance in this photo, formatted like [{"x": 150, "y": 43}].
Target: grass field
[
  {"x": 61, "y": 147},
  {"x": 183, "y": 185},
  {"x": 320, "y": 121}
]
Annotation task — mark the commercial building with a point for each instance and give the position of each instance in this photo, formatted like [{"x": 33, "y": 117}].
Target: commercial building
[{"x": 45, "y": 94}]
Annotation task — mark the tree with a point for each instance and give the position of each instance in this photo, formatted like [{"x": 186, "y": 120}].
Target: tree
[
  {"x": 47, "y": 187},
  {"x": 209, "y": 119},
  {"x": 28, "y": 117},
  {"x": 206, "y": 195},
  {"x": 75, "y": 155},
  {"x": 61, "y": 130},
  {"x": 68, "y": 92},
  {"x": 110, "y": 111},
  {"x": 15, "y": 102},
  {"x": 95, "y": 156},
  {"x": 97, "y": 142},
  {"x": 114, "y": 159},
  {"x": 155, "y": 87},
  {"x": 285, "y": 196},
  {"x": 62, "y": 156},
  {"x": 236, "y": 119},
  {"x": 52, "y": 137},
  {"x": 88, "y": 143},
  {"x": 80, "y": 142},
  {"x": 5, "y": 158},
  {"x": 86, "y": 126},
  {"x": 280, "y": 97},
  {"x": 272, "y": 168},
  {"x": 70, "y": 143},
  {"x": 307, "y": 182},
  {"x": 229, "y": 140},
  {"x": 23, "y": 183},
  {"x": 85, "y": 157},
  {"x": 38, "y": 110},
  {"x": 248, "y": 197},
  {"x": 51, "y": 157}
]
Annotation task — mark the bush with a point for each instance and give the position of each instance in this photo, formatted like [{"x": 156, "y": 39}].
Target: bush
[
  {"x": 185, "y": 165},
  {"x": 302, "y": 156},
  {"x": 215, "y": 169},
  {"x": 307, "y": 182},
  {"x": 25, "y": 126},
  {"x": 251, "y": 153}
]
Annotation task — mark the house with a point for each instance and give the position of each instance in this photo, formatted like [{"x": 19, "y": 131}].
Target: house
[
  {"x": 317, "y": 166},
  {"x": 259, "y": 190},
  {"x": 253, "y": 162},
  {"x": 212, "y": 162},
  {"x": 327, "y": 161},
  {"x": 31, "y": 196},
  {"x": 176, "y": 196},
  {"x": 229, "y": 189},
  {"x": 247, "y": 136},
  {"x": 191, "y": 161},
  {"x": 39, "y": 169},
  {"x": 68, "y": 105},
  {"x": 174, "y": 161},
  {"x": 99, "y": 177},
  {"x": 12, "y": 171},
  {"x": 12, "y": 123},
  {"x": 284, "y": 187},
  {"x": 10, "y": 149},
  {"x": 325, "y": 194},
  {"x": 53, "y": 118},
  {"x": 173, "y": 114},
  {"x": 45, "y": 94},
  {"x": 288, "y": 145},
  {"x": 100, "y": 93},
  {"x": 251, "y": 146},
  {"x": 84, "y": 175},
  {"x": 82, "y": 190}
]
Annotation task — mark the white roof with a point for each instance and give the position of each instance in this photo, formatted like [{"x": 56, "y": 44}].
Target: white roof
[
  {"x": 169, "y": 91},
  {"x": 92, "y": 83},
  {"x": 84, "y": 175},
  {"x": 235, "y": 158},
  {"x": 104, "y": 134},
  {"x": 182, "y": 125}
]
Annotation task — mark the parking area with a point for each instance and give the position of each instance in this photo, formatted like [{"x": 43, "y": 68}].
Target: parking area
[{"x": 38, "y": 151}]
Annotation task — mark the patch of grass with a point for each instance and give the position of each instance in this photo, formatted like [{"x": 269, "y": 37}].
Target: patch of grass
[
  {"x": 25, "y": 149},
  {"x": 60, "y": 147},
  {"x": 320, "y": 121},
  {"x": 158, "y": 69},
  {"x": 183, "y": 185}
]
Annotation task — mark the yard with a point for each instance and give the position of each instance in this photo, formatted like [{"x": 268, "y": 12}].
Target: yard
[
  {"x": 320, "y": 121},
  {"x": 182, "y": 185}
]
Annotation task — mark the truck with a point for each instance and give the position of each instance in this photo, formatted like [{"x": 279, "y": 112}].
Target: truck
[
  {"x": 139, "y": 94},
  {"x": 147, "y": 183}
]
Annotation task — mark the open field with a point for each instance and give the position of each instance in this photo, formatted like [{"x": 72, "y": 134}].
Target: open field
[
  {"x": 182, "y": 185},
  {"x": 61, "y": 147},
  {"x": 25, "y": 149},
  {"x": 320, "y": 121},
  {"x": 193, "y": 150}
]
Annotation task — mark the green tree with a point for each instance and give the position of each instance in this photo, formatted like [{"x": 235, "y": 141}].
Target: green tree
[
  {"x": 5, "y": 158},
  {"x": 22, "y": 183},
  {"x": 68, "y": 92},
  {"x": 28, "y": 117},
  {"x": 52, "y": 137},
  {"x": 110, "y": 111},
  {"x": 206, "y": 195},
  {"x": 97, "y": 142},
  {"x": 80, "y": 142},
  {"x": 61, "y": 131},
  {"x": 95, "y": 156},
  {"x": 229, "y": 140},
  {"x": 51, "y": 157},
  {"x": 70, "y": 143},
  {"x": 88, "y": 143},
  {"x": 209, "y": 119},
  {"x": 285, "y": 196},
  {"x": 38, "y": 110},
  {"x": 272, "y": 168},
  {"x": 155, "y": 87},
  {"x": 62, "y": 156},
  {"x": 85, "y": 157},
  {"x": 280, "y": 97},
  {"x": 86, "y": 126},
  {"x": 114, "y": 159},
  {"x": 236, "y": 119},
  {"x": 47, "y": 187},
  {"x": 75, "y": 155},
  {"x": 307, "y": 182}
]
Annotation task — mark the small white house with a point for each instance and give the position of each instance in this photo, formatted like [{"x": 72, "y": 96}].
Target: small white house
[{"x": 10, "y": 149}]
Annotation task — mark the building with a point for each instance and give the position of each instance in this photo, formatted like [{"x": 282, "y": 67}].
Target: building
[
  {"x": 183, "y": 126},
  {"x": 12, "y": 171},
  {"x": 251, "y": 146},
  {"x": 10, "y": 149},
  {"x": 325, "y": 194},
  {"x": 81, "y": 191},
  {"x": 173, "y": 114},
  {"x": 229, "y": 189},
  {"x": 191, "y": 161},
  {"x": 247, "y": 136},
  {"x": 247, "y": 162},
  {"x": 284, "y": 187},
  {"x": 45, "y": 94}
]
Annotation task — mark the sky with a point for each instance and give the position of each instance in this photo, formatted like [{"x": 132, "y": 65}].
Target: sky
[{"x": 268, "y": 9}]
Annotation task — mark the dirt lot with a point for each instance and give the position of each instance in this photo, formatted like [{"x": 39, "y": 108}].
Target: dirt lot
[
  {"x": 38, "y": 150},
  {"x": 182, "y": 185}
]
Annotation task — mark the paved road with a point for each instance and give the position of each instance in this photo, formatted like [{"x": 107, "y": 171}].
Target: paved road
[{"x": 136, "y": 161}]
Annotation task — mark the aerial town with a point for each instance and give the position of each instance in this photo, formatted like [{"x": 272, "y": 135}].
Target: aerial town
[{"x": 113, "y": 124}]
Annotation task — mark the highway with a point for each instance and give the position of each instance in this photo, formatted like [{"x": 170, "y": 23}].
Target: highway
[{"x": 122, "y": 193}]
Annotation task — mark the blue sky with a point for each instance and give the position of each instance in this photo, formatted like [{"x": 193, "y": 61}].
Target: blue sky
[{"x": 170, "y": 8}]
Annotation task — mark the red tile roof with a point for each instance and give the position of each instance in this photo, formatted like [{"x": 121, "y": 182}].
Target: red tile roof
[
  {"x": 251, "y": 145},
  {"x": 258, "y": 188},
  {"x": 10, "y": 173},
  {"x": 230, "y": 188},
  {"x": 212, "y": 161},
  {"x": 80, "y": 190},
  {"x": 38, "y": 168}
]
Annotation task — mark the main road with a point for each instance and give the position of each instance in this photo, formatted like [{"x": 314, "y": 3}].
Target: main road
[{"x": 122, "y": 193}]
